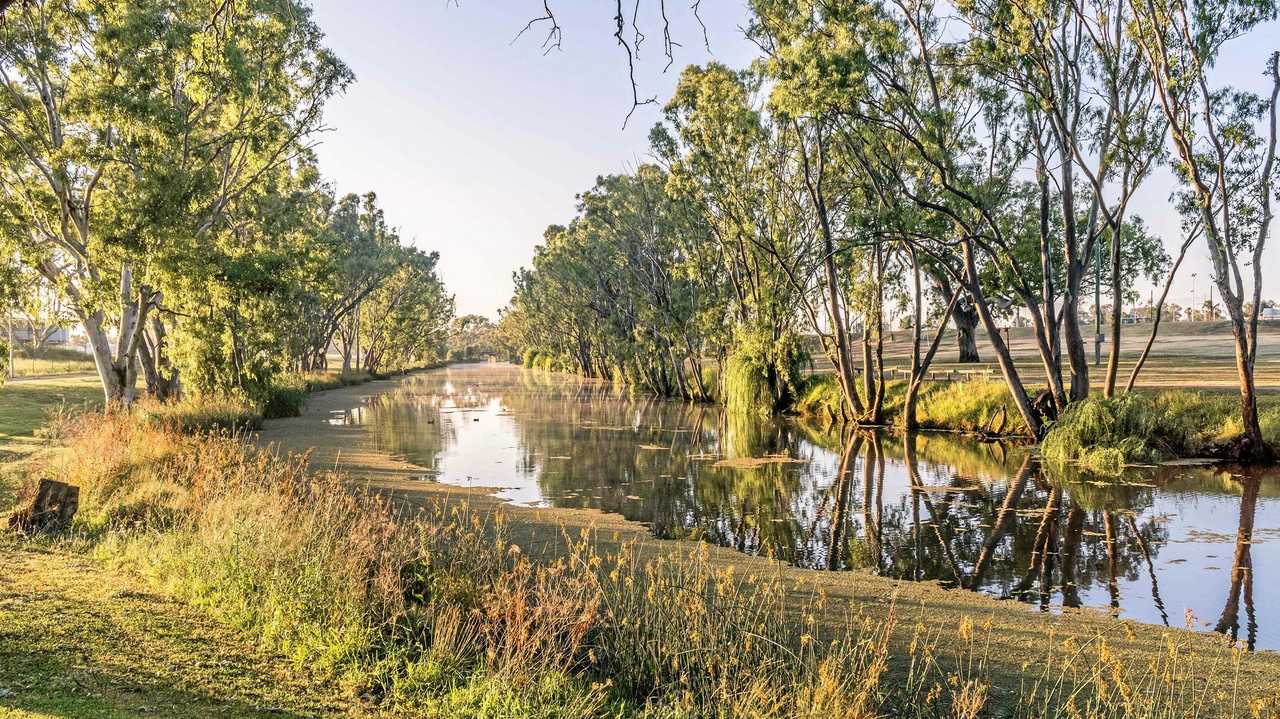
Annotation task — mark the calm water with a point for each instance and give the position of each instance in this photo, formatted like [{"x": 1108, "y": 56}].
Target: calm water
[{"x": 1158, "y": 546}]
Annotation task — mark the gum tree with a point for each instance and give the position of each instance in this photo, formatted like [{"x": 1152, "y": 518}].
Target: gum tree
[
  {"x": 127, "y": 132},
  {"x": 1224, "y": 148}
]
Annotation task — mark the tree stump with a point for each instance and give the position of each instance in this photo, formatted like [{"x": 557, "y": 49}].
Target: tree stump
[{"x": 52, "y": 508}]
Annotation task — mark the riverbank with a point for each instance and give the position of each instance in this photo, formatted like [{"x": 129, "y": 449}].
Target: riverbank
[
  {"x": 250, "y": 540},
  {"x": 1019, "y": 640}
]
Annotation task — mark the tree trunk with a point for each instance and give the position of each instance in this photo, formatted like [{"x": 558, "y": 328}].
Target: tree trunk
[
  {"x": 1075, "y": 343},
  {"x": 1117, "y": 312},
  {"x": 1019, "y": 391},
  {"x": 965, "y": 318}
]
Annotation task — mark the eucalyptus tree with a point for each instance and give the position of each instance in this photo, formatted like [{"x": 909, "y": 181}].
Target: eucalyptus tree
[
  {"x": 614, "y": 295},
  {"x": 472, "y": 337},
  {"x": 740, "y": 167},
  {"x": 405, "y": 321},
  {"x": 1095, "y": 133},
  {"x": 232, "y": 316},
  {"x": 355, "y": 252},
  {"x": 653, "y": 236},
  {"x": 1224, "y": 148},
  {"x": 128, "y": 130}
]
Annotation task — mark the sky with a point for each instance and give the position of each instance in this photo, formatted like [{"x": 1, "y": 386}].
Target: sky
[{"x": 475, "y": 141}]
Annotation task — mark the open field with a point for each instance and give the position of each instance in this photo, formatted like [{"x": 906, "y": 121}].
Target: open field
[
  {"x": 1197, "y": 355},
  {"x": 25, "y": 406}
]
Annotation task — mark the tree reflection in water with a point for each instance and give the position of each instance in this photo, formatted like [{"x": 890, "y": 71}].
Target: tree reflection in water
[
  {"x": 1242, "y": 571},
  {"x": 971, "y": 515}
]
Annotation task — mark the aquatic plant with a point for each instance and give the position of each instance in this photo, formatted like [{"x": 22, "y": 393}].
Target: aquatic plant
[{"x": 1103, "y": 435}]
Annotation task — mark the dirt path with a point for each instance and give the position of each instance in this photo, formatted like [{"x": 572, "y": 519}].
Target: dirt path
[
  {"x": 1018, "y": 637},
  {"x": 79, "y": 640}
]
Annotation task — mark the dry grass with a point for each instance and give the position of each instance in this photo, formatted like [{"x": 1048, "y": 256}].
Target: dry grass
[{"x": 440, "y": 614}]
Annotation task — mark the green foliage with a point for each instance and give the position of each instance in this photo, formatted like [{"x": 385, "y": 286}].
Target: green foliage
[
  {"x": 160, "y": 170},
  {"x": 1103, "y": 435},
  {"x": 762, "y": 374},
  {"x": 624, "y": 291},
  {"x": 285, "y": 397}
]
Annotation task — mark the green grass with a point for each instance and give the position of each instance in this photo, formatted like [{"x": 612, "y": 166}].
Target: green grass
[
  {"x": 1103, "y": 435},
  {"x": 51, "y": 361},
  {"x": 971, "y": 406},
  {"x": 79, "y": 640},
  {"x": 26, "y": 406}
]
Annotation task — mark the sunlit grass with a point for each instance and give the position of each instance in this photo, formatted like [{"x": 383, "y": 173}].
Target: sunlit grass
[{"x": 441, "y": 613}]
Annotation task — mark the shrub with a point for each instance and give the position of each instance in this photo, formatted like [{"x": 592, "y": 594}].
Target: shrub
[
  {"x": 285, "y": 397},
  {"x": 1103, "y": 435},
  {"x": 211, "y": 413}
]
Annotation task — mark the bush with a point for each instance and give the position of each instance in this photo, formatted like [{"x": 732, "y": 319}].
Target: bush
[
  {"x": 1103, "y": 435},
  {"x": 219, "y": 413},
  {"x": 285, "y": 397}
]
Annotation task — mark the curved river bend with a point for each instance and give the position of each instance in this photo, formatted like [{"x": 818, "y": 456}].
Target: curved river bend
[{"x": 1168, "y": 546}]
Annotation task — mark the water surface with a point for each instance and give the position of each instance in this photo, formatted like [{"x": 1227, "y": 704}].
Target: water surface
[{"x": 1169, "y": 545}]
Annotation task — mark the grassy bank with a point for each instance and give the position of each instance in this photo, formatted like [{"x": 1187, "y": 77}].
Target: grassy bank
[
  {"x": 442, "y": 614},
  {"x": 970, "y": 406},
  {"x": 82, "y": 640},
  {"x": 1104, "y": 435}
]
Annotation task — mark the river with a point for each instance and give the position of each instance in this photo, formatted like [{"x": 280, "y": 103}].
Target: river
[{"x": 1175, "y": 545}]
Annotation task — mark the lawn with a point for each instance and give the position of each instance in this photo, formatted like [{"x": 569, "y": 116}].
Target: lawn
[
  {"x": 83, "y": 640},
  {"x": 25, "y": 405}
]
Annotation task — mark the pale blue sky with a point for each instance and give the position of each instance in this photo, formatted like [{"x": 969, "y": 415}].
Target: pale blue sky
[{"x": 475, "y": 144}]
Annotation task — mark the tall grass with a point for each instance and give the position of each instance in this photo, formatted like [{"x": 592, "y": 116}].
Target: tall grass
[
  {"x": 970, "y": 406},
  {"x": 440, "y": 614},
  {"x": 1103, "y": 435}
]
